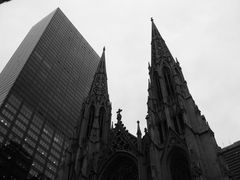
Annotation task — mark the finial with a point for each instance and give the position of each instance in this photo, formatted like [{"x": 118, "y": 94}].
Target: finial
[
  {"x": 147, "y": 117},
  {"x": 152, "y": 19},
  {"x": 138, "y": 129},
  {"x": 145, "y": 130},
  {"x": 176, "y": 60},
  {"x": 104, "y": 48},
  {"x": 112, "y": 125},
  {"x": 119, "y": 116}
]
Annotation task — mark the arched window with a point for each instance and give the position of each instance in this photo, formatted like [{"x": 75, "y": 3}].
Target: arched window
[
  {"x": 168, "y": 81},
  {"x": 179, "y": 165},
  {"x": 102, "y": 115},
  {"x": 121, "y": 166},
  {"x": 176, "y": 125},
  {"x": 165, "y": 126},
  {"x": 181, "y": 121},
  {"x": 90, "y": 120},
  {"x": 158, "y": 86},
  {"x": 160, "y": 132}
]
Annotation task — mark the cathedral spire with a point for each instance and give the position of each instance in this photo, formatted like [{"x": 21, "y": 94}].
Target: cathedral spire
[
  {"x": 160, "y": 51},
  {"x": 155, "y": 32},
  {"x": 99, "y": 85}
]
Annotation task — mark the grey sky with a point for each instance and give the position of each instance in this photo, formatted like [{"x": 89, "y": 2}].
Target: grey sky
[{"x": 204, "y": 36}]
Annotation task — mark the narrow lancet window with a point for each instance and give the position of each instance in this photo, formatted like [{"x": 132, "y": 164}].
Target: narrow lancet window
[
  {"x": 168, "y": 81},
  {"x": 176, "y": 125},
  {"x": 102, "y": 115},
  {"x": 160, "y": 133},
  {"x": 158, "y": 86},
  {"x": 90, "y": 120}
]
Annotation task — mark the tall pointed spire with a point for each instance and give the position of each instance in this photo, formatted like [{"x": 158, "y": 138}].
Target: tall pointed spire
[
  {"x": 155, "y": 32},
  {"x": 139, "y": 133},
  {"x": 160, "y": 51},
  {"x": 99, "y": 85}
]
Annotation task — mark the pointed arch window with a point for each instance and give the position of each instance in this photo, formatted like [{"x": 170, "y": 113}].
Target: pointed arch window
[
  {"x": 168, "y": 80},
  {"x": 160, "y": 132},
  {"x": 158, "y": 86},
  {"x": 90, "y": 120},
  {"x": 176, "y": 125},
  {"x": 181, "y": 121},
  {"x": 165, "y": 127},
  {"x": 102, "y": 116}
]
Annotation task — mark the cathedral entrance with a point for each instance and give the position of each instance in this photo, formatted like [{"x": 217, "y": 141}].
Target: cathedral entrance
[
  {"x": 179, "y": 166},
  {"x": 121, "y": 167}
]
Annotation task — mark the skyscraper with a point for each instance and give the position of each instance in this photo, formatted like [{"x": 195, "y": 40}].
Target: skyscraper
[{"x": 42, "y": 89}]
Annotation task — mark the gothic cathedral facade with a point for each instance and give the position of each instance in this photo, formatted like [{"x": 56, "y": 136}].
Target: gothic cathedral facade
[{"x": 177, "y": 144}]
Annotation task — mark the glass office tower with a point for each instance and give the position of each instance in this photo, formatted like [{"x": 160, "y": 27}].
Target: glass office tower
[{"x": 42, "y": 89}]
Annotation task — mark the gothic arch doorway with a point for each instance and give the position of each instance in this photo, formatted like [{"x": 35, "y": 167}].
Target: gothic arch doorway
[
  {"x": 179, "y": 165},
  {"x": 122, "y": 166}
]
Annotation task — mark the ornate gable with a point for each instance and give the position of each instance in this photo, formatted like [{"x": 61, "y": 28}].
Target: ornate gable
[{"x": 120, "y": 140}]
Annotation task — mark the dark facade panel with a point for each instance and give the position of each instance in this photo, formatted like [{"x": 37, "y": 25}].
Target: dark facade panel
[
  {"x": 19, "y": 58},
  {"x": 231, "y": 155},
  {"x": 42, "y": 90}
]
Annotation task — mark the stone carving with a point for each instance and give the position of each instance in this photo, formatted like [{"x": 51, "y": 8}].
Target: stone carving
[{"x": 119, "y": 116}]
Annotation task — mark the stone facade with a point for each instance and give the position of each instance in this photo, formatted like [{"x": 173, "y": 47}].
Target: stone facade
[{"x": 177, "y": 144}]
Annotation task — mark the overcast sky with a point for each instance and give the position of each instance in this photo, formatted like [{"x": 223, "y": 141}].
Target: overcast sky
[{"x": 204, "y": 36}]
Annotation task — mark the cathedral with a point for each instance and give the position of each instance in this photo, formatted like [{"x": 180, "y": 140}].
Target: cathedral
[{"x": 177, "y": 144}]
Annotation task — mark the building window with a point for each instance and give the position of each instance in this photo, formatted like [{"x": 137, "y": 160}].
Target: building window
[
  {"x": 3, "y": 129},
  {"x": 26, "y": 111},
  {"x": 46, "y": 138},
  {"x": 20, "y": 125},
  {"x": 7, "y": 114},
  {"x": 49, "y": 174},
  {"x": 13, "y": 100},
  {"x": 23, "y": 119},
  {"x": 102, "y": 114},
  {"x": 55, "y": 153},
  {"x": 30, "y": 142},
  {"x": 181, "y": 121},
  {"x": 32, "y": 135},
  {"x": 51, "y": 167},
  {"x": 38, "y": 166},
  {"x": 168, "y": 81},
  {"x": 47, "y": 130},
  {"x": 90, "y": 120},
  {"x": 34, "y": 128},
  {"x": 29, "y": 149},
  {"x": 4, "y": 122},
  {"x": 58, "y": 140},
  {"x": 17, "y": 132},
  {"x": 160, "y": 133},
  {"x": 158, "y": 86},
  {"x": 37, "y": 120},
  {"x": 53, "y": 160},
  {"x": 14, "y": 137},
  {"x": 57, "y": 147},
  {"x": 45, "y": 145},
  {"x": 39, "y": 158},
  {"x": 42, "y": 151},
  {"x": 10, "y": 108},
  {"x": 176, "y": 125}
]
